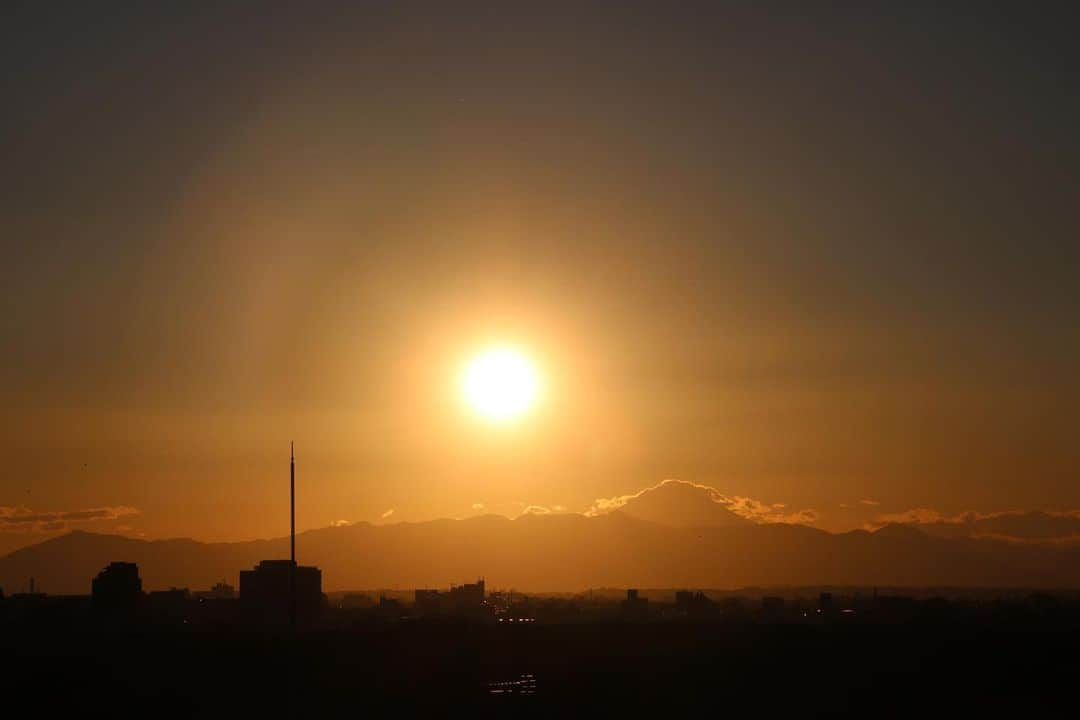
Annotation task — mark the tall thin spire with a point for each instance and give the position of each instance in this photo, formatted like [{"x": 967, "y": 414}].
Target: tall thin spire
[
  {"x": 292, "y": 502},
  {"x": 292, "y": 535}
]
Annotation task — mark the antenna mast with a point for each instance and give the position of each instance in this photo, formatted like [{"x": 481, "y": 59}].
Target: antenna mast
[
  {"x": 292, "y": 503},
  {"x": 292, "y": 535}
]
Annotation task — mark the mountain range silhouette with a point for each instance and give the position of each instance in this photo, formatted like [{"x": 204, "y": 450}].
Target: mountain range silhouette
[{"x": 656, "y": 539}]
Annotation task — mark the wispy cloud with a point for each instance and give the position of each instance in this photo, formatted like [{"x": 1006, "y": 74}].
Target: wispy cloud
[
  {"x": 387, "y": 514},
  {"x": 23, "y": 519},
  {"x": 749, "y": 508},
  {"x": 869, "y": 502},
  {"x": 340, "y": 523},
  {"x": 917, "y": 516},
  {"x": 1013, "y": 525},
  {"x": 536, "y": 510},
  {"x": 928, "y": 515},
  {"x": 478, "y": 506}
]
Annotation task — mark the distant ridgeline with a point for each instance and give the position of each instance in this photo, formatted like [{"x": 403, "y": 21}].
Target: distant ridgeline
[{"x": 565, "y": 553}]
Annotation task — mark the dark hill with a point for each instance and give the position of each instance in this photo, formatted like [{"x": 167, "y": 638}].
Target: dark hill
[{"x": 562, "y": 552}]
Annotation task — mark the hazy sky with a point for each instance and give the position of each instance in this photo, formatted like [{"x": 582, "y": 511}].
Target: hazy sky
[{"x": 807, "y": 256}]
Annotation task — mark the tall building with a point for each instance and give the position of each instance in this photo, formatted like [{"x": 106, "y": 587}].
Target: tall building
[
  {"x": 117, "y": 589},
  {"x": 277, "y": 592},
  {"x": 267, "y": 591}
]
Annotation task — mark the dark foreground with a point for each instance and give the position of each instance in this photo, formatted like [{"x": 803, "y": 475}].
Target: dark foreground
[{"x": 914, "y": 670}]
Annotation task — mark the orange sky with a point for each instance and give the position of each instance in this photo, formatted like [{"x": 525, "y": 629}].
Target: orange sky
[{"x": 742, "y": 251}]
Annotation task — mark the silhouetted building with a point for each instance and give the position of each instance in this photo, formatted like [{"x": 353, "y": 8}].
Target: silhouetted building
[
  {"x": 265, "y": 593},
  {"x": 469, "y": 595},
  {"x": 172, "y": 595},
  {"x": 279, "y": 592},
  {"x": 692, "y": 604},
  {"x": 427, "y": 602},
  {"x": 354, "y": 601},
  {"x": 223, "y": 591},
  {"x": 388, "y": 608},
  {"x": 460, "y": 599},
  {"x": 31, "y": 595},
  {"x": 172, "y": 605},
  {"x": 634, "y": 606},
  {"x": 117, "y": 588},
  {"x": 27, "y": 600}
]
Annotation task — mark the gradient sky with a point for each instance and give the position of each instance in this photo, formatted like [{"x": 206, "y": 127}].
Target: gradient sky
[{"x": 807, "y": 256}]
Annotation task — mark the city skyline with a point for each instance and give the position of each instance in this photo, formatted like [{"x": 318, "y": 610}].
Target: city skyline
[{"x": 539, "y": 358}]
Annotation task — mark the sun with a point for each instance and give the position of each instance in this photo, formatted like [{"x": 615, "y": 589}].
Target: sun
[{"x": 500, "y": 384}]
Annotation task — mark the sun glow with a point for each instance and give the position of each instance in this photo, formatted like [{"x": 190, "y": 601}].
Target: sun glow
[{"x": 500, "y": 384}]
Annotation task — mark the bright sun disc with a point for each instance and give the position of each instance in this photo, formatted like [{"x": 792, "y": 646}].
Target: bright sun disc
[{"x": 500, "y": 384}]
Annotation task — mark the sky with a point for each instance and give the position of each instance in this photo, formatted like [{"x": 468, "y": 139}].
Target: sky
[{"x": 824, "y": 258}]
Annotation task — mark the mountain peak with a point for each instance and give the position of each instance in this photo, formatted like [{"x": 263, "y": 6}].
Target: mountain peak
[
  {"x": 900, "y": 531},
  {"x": 681, "y": 504}
]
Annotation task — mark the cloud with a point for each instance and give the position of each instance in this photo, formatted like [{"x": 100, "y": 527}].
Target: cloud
[
  {"x": 340, "y": 523},
  {"x": 23, "y": 519},
  {"x": 745, "y": 507},
  {"x": 914, "y": 516},
  {"x": 533, "y": 509},
  {"x": 928, "y": 516},
  {"x": 760, "y": 512},
  {"x": 869, "y": 502},
  {"x": 387, "y": 514},
  {"x": 1012, "y": 525},
  {"x": 478, "y": 506}
]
